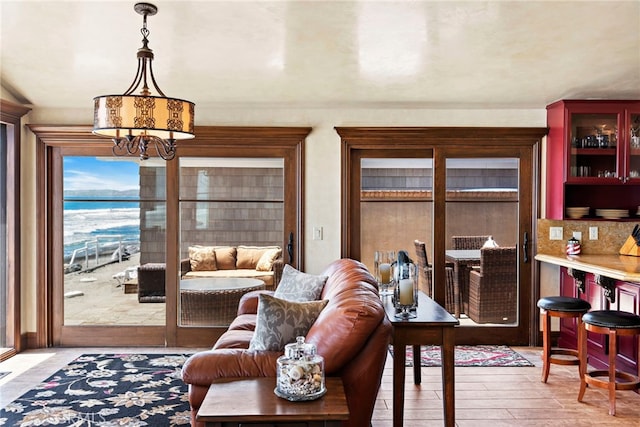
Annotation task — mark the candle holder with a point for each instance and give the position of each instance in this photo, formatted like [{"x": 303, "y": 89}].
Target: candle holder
[
  {"x": 405, "y": 296},
  {"x": 382, "y": 270}
]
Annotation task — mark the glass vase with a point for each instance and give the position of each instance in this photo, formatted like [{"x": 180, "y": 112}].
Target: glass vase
[{"x": 405, "y": 296}]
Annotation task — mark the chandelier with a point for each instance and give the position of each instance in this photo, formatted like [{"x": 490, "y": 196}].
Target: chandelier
[{"x": 135, "y": 121}]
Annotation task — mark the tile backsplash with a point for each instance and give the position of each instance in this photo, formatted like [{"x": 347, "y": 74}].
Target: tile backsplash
[{"x": 611, "y": 235}]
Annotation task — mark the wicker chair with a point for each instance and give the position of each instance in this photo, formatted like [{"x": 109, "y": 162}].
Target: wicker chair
[
  {"x": 425, "y": 281},
  {"x": 493, "y": 289},
  {"x": 151, "y": 282},
  {"x": 468, "y": 242}
]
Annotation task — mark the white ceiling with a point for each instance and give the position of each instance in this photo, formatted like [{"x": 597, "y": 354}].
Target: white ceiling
[{"x": 405, "y": 54}]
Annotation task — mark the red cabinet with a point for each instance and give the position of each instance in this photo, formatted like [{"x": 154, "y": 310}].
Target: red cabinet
[
  {"x": 627, "y": 298},
  {"x": 593, "y": 158}
]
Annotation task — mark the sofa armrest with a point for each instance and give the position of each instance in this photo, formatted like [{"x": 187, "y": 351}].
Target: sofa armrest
[
  {"x": 151, "y": 282},
  {"x": 185, "y": 266},
  {"x": 277, "y": 267},
  {"x": 475, "y": 276},
  {"x": 205, "y": 366},
  {"x": 249, "y": 302}
]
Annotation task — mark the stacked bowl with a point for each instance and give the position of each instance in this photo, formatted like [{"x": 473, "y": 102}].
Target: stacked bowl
[
  {"x": 577, "y": 212},
  {"x": 613, "y": 213}
]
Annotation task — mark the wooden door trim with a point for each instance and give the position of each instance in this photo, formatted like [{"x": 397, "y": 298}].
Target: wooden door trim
[
  {"x": 445, "y": 142},
  {"x": 11, "y": 115},
  {"x": 53, "y": 142}
]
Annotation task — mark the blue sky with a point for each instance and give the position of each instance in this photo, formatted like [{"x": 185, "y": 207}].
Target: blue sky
[{"x": 102, "y": 173}]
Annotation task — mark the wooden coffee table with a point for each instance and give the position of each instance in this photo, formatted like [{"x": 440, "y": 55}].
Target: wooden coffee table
[{"x": 231, "y": 402}]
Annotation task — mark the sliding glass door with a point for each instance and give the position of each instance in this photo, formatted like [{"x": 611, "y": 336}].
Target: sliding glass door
[
  {"x": 228, "y": 207},
  {"x": 442, "y": 199},
  {"x": 6, "y": 335},
  {"x": 114, "y": 214},
  {"x": 10, "y": 268},
  {"x": 396, "y": 208},
  {"x": 483, "y": 239},
  {"x": 115, "y": 230}
]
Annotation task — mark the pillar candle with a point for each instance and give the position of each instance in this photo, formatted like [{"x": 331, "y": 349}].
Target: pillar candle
[
  {"x": 406, "y": 292},
  {"x": 385, "y": 273}
]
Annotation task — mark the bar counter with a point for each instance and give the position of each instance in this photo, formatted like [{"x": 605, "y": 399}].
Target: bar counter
[
  {"x": 607, "y": 282},
  {"x": 619, "y": 267}
]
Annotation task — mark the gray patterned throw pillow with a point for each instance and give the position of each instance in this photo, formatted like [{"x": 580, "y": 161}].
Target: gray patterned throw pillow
[
  {"x": 279, "y": 322},
  {"x": 298, "y": 286}
]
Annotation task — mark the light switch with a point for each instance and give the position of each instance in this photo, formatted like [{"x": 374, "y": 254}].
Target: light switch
[
  {"x": 317, "y": 233},
  {"x": 555, "y": 233}
]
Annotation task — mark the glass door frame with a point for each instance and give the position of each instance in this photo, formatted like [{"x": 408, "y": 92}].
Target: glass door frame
[
  {"x": 285, "y": 143},
  {"x": 54, "y": 142},
  {"x": 10, "y": 116},
  {"x": 522, "y": 143}
]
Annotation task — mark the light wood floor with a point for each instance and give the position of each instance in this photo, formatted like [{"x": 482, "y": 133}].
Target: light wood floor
[{"x": 484, "y": 396}]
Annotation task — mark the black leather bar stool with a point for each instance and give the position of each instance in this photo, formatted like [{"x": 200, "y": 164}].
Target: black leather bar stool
[
  {"x": 557, "y": 306},
  {"x": 614, "y": 324}
]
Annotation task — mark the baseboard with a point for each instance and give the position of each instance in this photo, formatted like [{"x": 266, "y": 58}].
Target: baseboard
[{"x": 29, "y": 340}]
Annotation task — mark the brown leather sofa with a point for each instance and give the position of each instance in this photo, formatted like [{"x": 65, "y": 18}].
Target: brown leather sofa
[{"x": 352, "y": 333}]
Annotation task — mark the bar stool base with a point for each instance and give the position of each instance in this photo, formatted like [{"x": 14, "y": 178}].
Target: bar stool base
[{"x": 613, "y": 324}]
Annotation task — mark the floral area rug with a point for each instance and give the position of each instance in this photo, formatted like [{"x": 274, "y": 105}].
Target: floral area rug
[
  {"x": 107, "y": 390},
  {"x": 470, "y": 355}
]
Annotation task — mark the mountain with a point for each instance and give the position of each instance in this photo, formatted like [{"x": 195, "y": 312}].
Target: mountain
[{"x": 103, "y": 193}]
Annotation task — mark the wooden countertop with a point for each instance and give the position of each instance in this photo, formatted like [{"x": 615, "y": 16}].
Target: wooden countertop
[{"x": 619, "y": 267}]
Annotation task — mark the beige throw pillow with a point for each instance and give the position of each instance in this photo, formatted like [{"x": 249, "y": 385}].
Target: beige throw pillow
[
  {"x": 265, "y": 263},
  {"x": 248, "y": 256},
  {"x": 202, "y": 258},
  {"x": 279, "y": 322}
]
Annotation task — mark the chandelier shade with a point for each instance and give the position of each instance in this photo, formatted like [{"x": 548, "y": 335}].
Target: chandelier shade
[
  {"x": 133, "y": 121},
  {"x": 120, "y": 115}
]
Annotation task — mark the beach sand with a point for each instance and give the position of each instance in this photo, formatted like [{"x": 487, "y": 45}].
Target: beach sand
[{"x": 100, "y": 298}]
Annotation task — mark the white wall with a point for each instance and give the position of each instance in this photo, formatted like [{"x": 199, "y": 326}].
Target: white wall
[{"x": 322, "y": 189}]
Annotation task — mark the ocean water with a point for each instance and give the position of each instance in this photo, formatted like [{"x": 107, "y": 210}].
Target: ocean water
[{"x": 109, "y": 222}]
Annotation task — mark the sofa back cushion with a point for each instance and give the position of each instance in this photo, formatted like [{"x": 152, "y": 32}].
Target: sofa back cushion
[
  {"x": 226, "y": 258},
  {"x": 248, "y": 256},
  {"x": 353, "y": 313}
]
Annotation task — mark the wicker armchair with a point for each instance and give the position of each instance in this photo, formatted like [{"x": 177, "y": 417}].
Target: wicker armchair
[
  {"x": 468, "y": 242},
  {"x": 151, "y": 282},
  {"x": 493, "y": 289},
  {"x": 425, "y": 281}
]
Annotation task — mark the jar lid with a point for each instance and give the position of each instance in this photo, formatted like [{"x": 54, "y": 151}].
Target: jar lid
[{"x": 299, "y": 349}]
